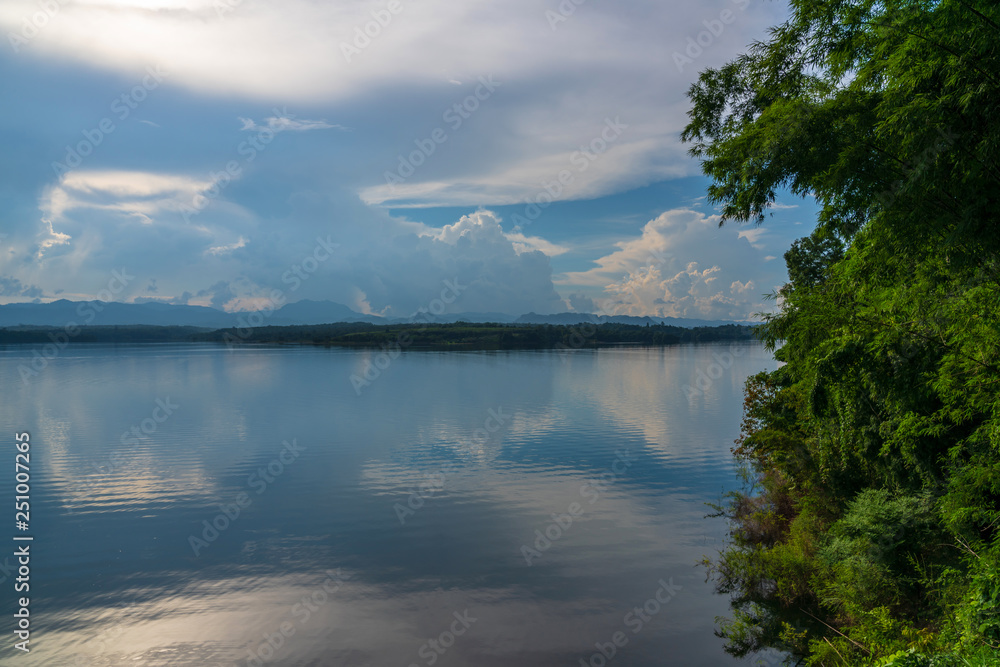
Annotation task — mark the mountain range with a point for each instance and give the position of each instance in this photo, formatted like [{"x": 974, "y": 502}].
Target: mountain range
[{"x": 63, "y": 313}]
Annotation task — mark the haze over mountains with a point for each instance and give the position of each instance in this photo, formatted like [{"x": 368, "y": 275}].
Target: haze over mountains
[{"x": 62, "y": 313}]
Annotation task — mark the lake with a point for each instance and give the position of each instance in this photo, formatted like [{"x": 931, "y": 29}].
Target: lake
[{"x": 193, "y": 505}]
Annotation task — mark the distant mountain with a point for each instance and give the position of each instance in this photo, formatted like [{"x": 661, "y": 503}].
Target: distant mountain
[
  {"x": 62, "y": 313},
  {"x": 449, "y": 318},
  {"x": 319, "y": 312},
  {"x": 97, "y": 313},
  {"x": 581, "y": 318}
]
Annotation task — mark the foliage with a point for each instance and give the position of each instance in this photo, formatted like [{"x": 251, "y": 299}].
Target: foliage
[
  {"x": 463, "y": 335},
  {"x": 869, "y": 528},
  {"x": 460, "y": 335}
]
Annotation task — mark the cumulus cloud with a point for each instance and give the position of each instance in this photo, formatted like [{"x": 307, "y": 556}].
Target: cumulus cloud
[
  {"x": 581, "y": 303},
  {"x": 495, "y": 275},
  {"x": 682, "y": 265},
  {"x": 220, "y": 294},
  {"x": 588, "y": 107},
  {"x": 370, "y": 260}
]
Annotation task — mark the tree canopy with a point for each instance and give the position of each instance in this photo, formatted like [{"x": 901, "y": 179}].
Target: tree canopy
[{"x": 869, "y": 530}]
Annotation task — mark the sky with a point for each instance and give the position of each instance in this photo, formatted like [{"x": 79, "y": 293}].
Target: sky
[{"x": 523, "y": 154}]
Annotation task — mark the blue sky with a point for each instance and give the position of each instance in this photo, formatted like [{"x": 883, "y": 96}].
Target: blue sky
[{"x": 529, "y": 150}]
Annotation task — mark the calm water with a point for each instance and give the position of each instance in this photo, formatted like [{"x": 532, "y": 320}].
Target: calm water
[{"x": 395, "y": 527}]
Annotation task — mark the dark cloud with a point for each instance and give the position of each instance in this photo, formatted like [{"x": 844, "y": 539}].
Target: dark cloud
[
  {"x": 221, "y": 293},
  {"x": 581, "y": 303},
  {"x": 14, "y": 287}
]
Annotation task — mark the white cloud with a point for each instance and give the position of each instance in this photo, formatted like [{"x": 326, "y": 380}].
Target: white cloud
[
  {"x": 133, "y": 195},
  {"x": 558, "y": 86},
  {"x": 400, "y": 277},
  {"x": 285, "y": 122},
  {"x": 753, "y": 236},
  {"x": 683, "y": 265},
  {"x": 223, "y": 249},
  {"x": 49, "y": 237},
  {"x": 231, "y": 258},
  {"x": 524, "y": 243}
]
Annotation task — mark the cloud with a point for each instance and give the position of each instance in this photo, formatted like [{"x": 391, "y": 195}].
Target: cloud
[
  {"x": 550, "y": 131},
  {"x": 559, "y": 86},
  {"x": 524, "y": 243},
  {"x": 581, "y": 303},
  {"x": 754, "y": 236},
  {"x": 14, "y": 287},
  {"x": 223, "y": 249},
  {"x": 49, "y": 237},
  {"x": 86, "y": 209},
  {"x": 134, "y": 194},
  {"x": 284, "y": 122},
  {"x": 230, "y": 258},
  {"x": 220, "y": 294},
  {"x": 495, "y": 274},
  {"x": 682, "y": 265}
]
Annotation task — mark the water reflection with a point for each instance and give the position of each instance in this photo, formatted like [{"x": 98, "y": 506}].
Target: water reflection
[{"x": 199, "y": 539}]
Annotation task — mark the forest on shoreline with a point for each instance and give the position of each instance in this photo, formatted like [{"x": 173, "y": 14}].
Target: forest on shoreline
[
  {"x": 457, "y": 336},
  {"x": 868, "y": 528}
]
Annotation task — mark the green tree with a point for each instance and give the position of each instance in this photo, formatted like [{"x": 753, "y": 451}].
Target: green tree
[{"x": 885, "y": 423}]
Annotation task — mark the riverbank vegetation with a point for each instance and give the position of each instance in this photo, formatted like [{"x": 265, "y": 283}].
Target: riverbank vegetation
[
  {"x": 457, "y": 336},
  {"x": 868, "y": 532}
]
